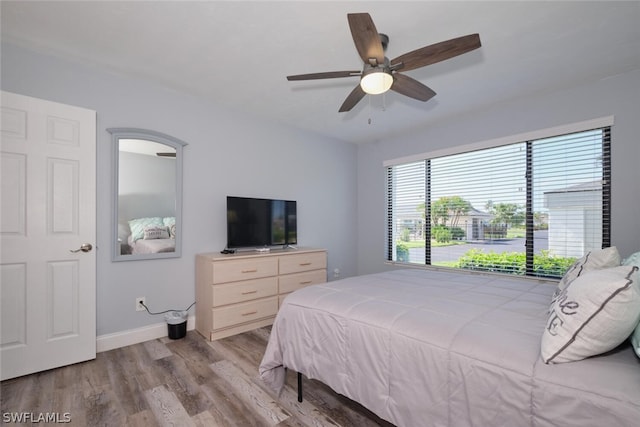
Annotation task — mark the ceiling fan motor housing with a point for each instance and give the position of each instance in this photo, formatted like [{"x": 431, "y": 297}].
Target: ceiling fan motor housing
[{"x": 384, "y": 39}]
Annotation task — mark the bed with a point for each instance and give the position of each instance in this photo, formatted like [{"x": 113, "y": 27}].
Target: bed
[
  {"x": 151, "y": 246},
  {"x": 440, "y": 348}
]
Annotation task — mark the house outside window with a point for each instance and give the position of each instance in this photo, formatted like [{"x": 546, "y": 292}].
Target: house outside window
[{"x": 528, "y": 207}]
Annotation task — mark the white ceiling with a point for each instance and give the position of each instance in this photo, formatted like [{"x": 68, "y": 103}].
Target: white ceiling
[{"x": 238, "y": 53}]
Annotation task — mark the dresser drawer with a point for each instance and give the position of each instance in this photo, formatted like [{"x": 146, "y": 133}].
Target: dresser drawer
[
  {"x": 225, "y": 317},
  {"x": 244, "y": 269},
  {"x": 302, "y": 262},
  {"x": 291, "y": 282},
  {"x": 231, "y": 293}
]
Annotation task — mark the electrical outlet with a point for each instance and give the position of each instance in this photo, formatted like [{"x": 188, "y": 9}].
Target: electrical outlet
[
  {"x": 139, "y": 303},
  {"x": 336, "y": 273}
]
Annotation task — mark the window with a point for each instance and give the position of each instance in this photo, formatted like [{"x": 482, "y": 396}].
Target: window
[{"x": 527, "y": 208}]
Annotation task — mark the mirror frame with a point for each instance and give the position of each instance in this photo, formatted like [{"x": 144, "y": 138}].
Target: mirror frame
[{"x": 134, "y": 133}]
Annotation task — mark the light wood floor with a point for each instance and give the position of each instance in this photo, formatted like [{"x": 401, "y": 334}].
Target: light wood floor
[{"x": 185, "y": 382}]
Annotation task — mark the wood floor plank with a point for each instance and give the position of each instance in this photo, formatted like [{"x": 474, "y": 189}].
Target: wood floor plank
[
  {"x": 157, "y": 349},
  {"x": 175, "y": 375},
  {"x": 142, "y": 419},
  {"x": 206, "y": 419},
  {"x": 167, "y": 408},
  {"x": 189, "y": 381},
  {"x": 259, "y": 401},
  {"x": 38, "y": 401},
  {"x": 305, "y": 412},
  {"x": 245, "y": 350},
  {"x": 94, "y": 374},
  {"x": 197, "y": 356},
  {"x": 124, "y": 381},
  {"x": 102, "y": 408},
  {"x": 226, "y": 408},
  {"x": 67, "y": 388}
]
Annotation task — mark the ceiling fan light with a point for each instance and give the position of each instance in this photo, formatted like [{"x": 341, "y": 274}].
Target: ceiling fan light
[{"x": 376, "y": 82}]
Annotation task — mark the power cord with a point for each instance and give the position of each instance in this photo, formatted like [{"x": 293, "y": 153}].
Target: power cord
[{"x": 166, "y": 311}]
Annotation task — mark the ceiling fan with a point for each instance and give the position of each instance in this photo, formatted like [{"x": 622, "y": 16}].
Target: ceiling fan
[{"x": 379, "y": 74}]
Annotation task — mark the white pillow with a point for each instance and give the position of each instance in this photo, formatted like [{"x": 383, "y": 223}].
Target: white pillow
[
  {"x": 156, "y": 232},
  {"x": 592, "y": 260},
  {"x": 596, "y": 312}
]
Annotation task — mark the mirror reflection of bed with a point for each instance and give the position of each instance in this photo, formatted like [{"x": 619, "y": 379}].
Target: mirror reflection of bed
[{"x": 146, "y": 197}]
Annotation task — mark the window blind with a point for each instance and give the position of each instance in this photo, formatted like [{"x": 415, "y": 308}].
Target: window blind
[{"x": 528, "y": 208}]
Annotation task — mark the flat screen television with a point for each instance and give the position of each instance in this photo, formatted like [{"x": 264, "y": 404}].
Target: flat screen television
[{"x": 255, "y": 223}]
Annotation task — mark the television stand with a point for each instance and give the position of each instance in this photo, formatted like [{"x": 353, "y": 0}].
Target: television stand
[
  {"x": 239, "y": 292},
  {"x": 263, "y": 250}
]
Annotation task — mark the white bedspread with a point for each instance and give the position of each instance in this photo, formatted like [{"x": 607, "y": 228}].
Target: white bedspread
[
  {"x": 428, "y": 348},
  {"x": 152, "y": 246}
]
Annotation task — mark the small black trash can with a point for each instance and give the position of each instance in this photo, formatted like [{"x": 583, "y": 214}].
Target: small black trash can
[{"x": 176, "y": 324}]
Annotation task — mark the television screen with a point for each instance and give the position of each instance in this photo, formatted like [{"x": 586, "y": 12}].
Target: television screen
[{"x": 253, "y": 222}]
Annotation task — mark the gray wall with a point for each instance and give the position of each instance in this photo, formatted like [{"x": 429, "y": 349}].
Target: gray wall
[
  {"x": 617, "y": 96},
  {"x": 229, "y": 153}
]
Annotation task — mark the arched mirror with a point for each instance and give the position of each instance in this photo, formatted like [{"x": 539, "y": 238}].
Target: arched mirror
[{"x": 147, "y": 194}]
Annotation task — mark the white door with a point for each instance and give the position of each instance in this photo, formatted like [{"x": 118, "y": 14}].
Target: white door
[{"x": 48, "y": 210}]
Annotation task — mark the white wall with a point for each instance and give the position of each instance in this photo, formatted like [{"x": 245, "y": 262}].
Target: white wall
[
  {"x": 229, "y": 153},
  {"x": 618, "y": 96}
]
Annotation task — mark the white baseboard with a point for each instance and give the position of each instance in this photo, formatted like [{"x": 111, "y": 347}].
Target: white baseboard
[{"x": 134, "y": 336}]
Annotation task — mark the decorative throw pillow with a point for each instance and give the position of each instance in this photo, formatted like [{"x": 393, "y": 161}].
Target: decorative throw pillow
[
  {"x": 138, "y": 225},
  {"x": 592, "y": 260},
  {"x": 595, "y": 313},
  {"x": 634, "y": 259},
  {"x": 156, "y": 233}
]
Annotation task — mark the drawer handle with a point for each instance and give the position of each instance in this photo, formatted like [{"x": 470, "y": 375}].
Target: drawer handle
[
  {"x": 307, "y": 282},
  {"x": 302, "y": 264},
  {"x": 255, "y": 270},
  {"x": 249, "y": 313},
  {"x": 249, "y": 292}
]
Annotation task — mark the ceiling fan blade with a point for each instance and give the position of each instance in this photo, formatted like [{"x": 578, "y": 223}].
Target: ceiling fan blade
[
  {"x": 366, "y": 38},
  {"x": 411, "y": 88},
  {"x": 325, "y": 75},
  {"x": 354, "y": 97},
  {"x": 436, "y": 52}
]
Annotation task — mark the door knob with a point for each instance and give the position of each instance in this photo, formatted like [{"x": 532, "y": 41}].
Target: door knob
[{"x": 85, "y": 247}]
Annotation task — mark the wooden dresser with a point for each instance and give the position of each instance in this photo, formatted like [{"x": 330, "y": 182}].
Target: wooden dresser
[{"x": 239, "y": 292}]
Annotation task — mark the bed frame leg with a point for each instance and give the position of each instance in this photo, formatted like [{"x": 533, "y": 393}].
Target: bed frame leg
[{"x": 299, "y": 387}]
